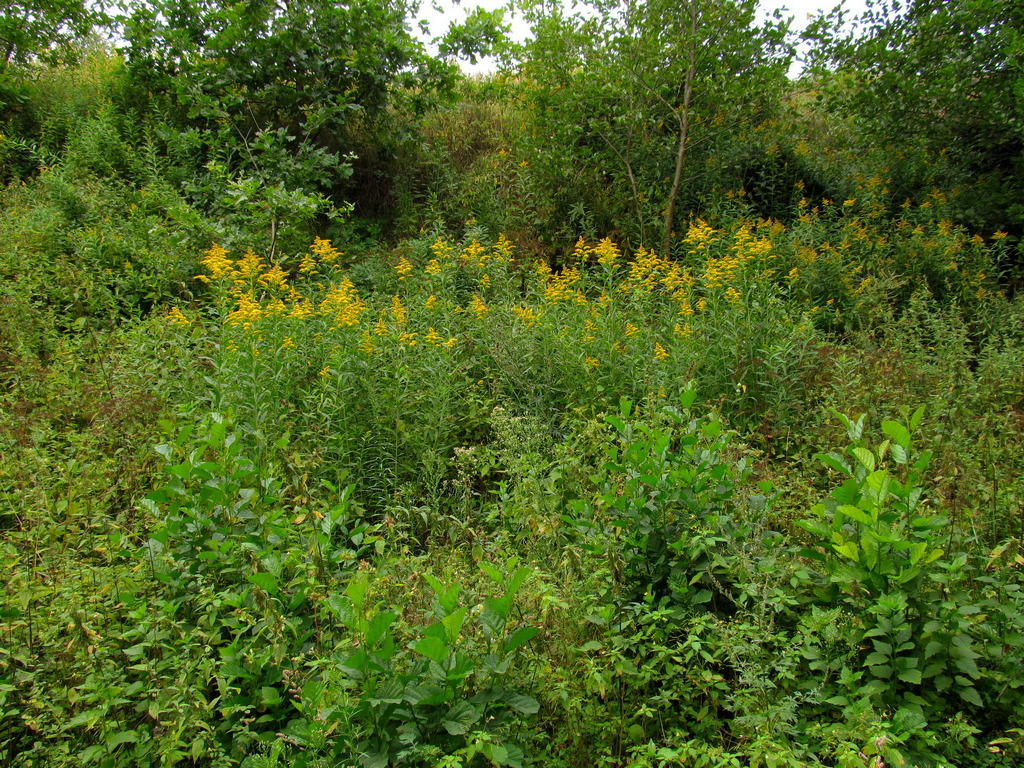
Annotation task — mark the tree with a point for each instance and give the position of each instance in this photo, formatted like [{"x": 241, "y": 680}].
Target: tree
[
  {"x": 285, "y": 91},
  {"x": 640, "y": 85},
  {"x": 945, "y": 74},
  {"x": 43, "y": 28}
]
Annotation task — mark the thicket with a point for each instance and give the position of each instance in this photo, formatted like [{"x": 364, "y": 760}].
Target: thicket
[{"x": 355, "y": 414}]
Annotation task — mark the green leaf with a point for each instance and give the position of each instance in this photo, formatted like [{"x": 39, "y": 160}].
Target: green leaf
[
  {"x": 461, "y": 717},
  {"x": 520, "y": 637},
  {"x": 378, "y": 626},
  {"x": 864, "y": 456},
  {"x": 264, "y": 581},
  {"x": 915, "y": 420},
  {"x": 899, "y": 433},
  {"x": 856, "y": 513},
  {"x": 912, "y": 676},
  {"x": 526, "y": 705},
  {"x": 433, "y": 649},
  {"x": 970, "y": 694},
  {"x": 453, "y": 624},
  {"x": 833, "y": 461},
  {"x": 854, "y": 429}
]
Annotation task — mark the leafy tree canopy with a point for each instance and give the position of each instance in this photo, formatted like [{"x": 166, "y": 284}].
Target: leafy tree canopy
[
  {"x": 945, "y": 73},
  {"x": 43, "y": 28}
]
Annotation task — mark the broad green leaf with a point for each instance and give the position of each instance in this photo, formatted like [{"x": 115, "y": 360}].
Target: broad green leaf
[
  {"x": 915, "y": 420},
  {"x": 899, "y": 434},
  {"x": 433, "y": 649},
  {"x": 461, "y": 717},
  {"x": 453, "y": 624},
  {"x": 865, "y": 457},
  {"x": 520, "y": 637},
  {"x": 856, "y": 513},
  {"x": 378, "y": 626},
  {"x": 526, "y": 705},
  {"x": 833, "y": 461},
  {"x": 912, "y": 676},
  {"x": 264, "y": 581}
]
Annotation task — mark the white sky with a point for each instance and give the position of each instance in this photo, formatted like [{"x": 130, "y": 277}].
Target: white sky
[{"x": 440, "y": 13}]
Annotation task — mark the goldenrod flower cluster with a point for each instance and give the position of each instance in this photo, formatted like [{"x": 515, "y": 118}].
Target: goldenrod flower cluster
[{"x": 342, "y": 302}]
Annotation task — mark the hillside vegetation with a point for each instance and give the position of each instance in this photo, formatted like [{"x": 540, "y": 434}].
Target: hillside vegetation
[{"x": 632, "y": 406}]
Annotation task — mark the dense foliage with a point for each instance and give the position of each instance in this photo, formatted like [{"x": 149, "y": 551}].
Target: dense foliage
[{"x": 632, "y": 406}]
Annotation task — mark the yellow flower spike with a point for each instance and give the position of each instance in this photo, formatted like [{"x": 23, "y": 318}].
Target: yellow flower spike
[
  {"x": 301, "y": 309},
  {"x": 591, "y": 362},
  {"x": 631, "y": 330},
  {"x": 275, "y": 277},
  {"x": 659, "y": 352},
  {"x": 398, "y": 311},
  {"x": 478, "y": 307},
  {"x": 325, "y": 371},
  {"x": 580, "y": 251},
  {"x": 433, "y": 338},
  {"x": 433, "y": 267},
  {"x": 366, "y": 342},
  {"x": 733, "y": 295},
  {"x": 176, "y": 317},
  {"x": 250, "y": 265},
  {"x": 407, "y": 339},
  {"x": 217, "y": 262},
  {"x": 608, "y": 254},
  {"x": 324, "y": 251},
  {"x": 430, "y": 303},
  {"x": 1000, "y": 235},
  {"x": 526, "y": 315},
  {"x": 403, "y": 268},
  {"x": 450, "y": 343},
  {"x": 307, "y": 266},
  {"x": 441, "y": 249},
  {"x": 504, "y": 248},
  {"x": 287, "y": 343}
]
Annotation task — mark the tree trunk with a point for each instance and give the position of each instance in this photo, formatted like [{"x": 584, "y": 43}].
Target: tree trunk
[{"x": 683, "y": 116}]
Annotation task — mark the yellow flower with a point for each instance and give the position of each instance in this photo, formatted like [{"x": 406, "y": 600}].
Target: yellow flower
[
  {"x": 659, "y": 352},
  {"x": 407, "y": 339},
  {"x": 398, "y": 312},
  {"x": 608, "y": 254},
  {"x": 683, "y": 331},
  {"x": 250, "y": 265},
  {"x": 631, "y": 330},
  {"x": 325, "y": 371},
  {"x": 478, "y": 306},
  {"x": 430, "y": 302},
  {"x": 433, "y": 338},
  {"x": 503, "y": 249},
  {"x": 343, "y": 302},
  {"x": 591, "y": 362},
  {"x": 526, "y": 315},
  {"x": 274, "y": 277},
  {"x": 1000, "y": 235},
  {"x": 732, "y": 295},
  {"x": 287, "y": 343},
  {"x": 307, "y": 265},
  {"x": 325, "y": 252},
  {"x": 176, "y": 317},
  {"x": 403, "y": 268},
  {"x": 301, "y": 309},
  {"x": 246, "y": 313},
  {"x": 217, "y": 262},
  {"x": 433, "y": 267}
]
